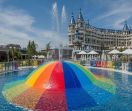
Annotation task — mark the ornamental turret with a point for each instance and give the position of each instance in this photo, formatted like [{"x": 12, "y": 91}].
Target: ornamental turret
[
  {"x": 126, "y": 28},
  {"x": 80, "y": 20},
  {"x": 72, "y": 23},
  {"x": 80, "y": 17}
]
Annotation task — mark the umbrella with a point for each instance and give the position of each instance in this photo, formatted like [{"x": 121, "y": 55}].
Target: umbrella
[
  {"x": 34, "y": 56},
  {"x": 82, "y": 53},
  {"x": 92, "y": 53},
  {"x": 114, "y": 52},
  {"x": 59, "y": 85},
  {"x": 127, "y": 52},
  {"x": 41, "y": 57}
]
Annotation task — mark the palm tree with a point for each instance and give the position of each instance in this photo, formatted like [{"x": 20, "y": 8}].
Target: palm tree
[{"x": 13, "y": 53}]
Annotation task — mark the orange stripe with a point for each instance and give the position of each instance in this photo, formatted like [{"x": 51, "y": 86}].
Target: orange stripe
[
  {"x": 31, "y": 93},
  {"x": 35, "y": 75},
  {"x": 28, "y": 98},
  {"x": 43, "y": 79}
]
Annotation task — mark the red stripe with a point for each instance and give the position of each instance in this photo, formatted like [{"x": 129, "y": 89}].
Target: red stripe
[
  {"x": 44, "y": 78},
  {"x": 54, "y": 97}
]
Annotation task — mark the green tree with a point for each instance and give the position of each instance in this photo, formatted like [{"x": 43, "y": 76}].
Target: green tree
[
  {"x": 31, "y": 49},
  {"x": 15, "y": 53},
  {"x": 19, "y": 54},
  {"x": 12, "y": 52}
]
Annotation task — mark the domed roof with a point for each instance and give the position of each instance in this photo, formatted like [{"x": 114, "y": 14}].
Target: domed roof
[{"x": 59, "y": 86}]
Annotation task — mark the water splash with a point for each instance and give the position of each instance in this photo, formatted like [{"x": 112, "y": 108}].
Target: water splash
[
  {"x": 59, "y": 20},
  {"x": 55, "y": 15},
  {"x": 63, "y": 15},
  {"x": 63, "y": 19}
]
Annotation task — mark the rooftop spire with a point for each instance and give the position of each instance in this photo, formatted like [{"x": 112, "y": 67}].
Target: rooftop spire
[
  {"x": 80, "y": 17},
  {"x": 72, "y": 19},
  {"x": 125, "y": 28}
]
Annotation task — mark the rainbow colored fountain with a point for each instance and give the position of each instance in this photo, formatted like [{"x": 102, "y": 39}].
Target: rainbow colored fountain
[{"x": 59, "y": 86}]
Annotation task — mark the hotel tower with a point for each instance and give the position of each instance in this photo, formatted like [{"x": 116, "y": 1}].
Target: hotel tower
[{"x": 84, "y": 36}]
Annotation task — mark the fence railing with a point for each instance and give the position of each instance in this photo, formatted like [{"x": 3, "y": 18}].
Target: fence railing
[
  {"x": 111, "y": 64},
  {"x": 8, "y": 66},
  {"x": 12, "y": 66}
]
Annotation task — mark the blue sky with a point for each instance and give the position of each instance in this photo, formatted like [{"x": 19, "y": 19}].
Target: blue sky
[{"x": 24, "y": 20}]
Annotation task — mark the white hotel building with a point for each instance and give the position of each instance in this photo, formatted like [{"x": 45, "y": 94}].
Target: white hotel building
[{"x": 83, "y": 36}]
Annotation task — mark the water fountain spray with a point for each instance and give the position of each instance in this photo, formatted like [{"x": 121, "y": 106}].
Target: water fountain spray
[
  {"x": 63, "y": 15},
  {"x": 55, "y": 15},
  {"x": 63, "y": 18},
  {"x": 58, "y": 24}
]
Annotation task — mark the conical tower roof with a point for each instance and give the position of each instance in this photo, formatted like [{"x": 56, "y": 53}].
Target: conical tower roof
[
  {"x": 80, "y": 16},
  {"x": 72, "y": 21},
  {"x": 125, "y": 28}
]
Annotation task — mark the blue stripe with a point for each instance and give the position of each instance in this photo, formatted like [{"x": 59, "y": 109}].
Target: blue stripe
[
  {"x": 100, "y": 95},
  {"x": 71, "y": 79},
  {"x": 76, "y": 96}
]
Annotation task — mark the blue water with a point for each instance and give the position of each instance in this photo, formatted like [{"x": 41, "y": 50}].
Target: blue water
[
  {"x": 6, "y": 78},
  {"x": 121, "y": 101}
]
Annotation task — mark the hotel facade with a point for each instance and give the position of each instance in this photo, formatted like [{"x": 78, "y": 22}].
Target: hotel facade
[{"x": 83, "y": 36}]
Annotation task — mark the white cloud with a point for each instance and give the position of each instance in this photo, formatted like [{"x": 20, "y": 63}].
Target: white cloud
[
  {"x": 16, "y": 26},
  {"x": 14, "y": 17},
  {"x": 119, "y": 11}
]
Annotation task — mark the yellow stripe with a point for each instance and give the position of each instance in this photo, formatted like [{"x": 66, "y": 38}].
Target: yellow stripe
[
  {"x": 36, "y": 75},
  {"x": 11, "y": 93}
]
